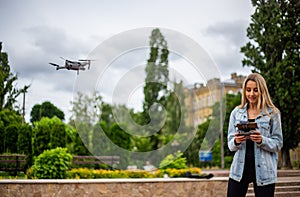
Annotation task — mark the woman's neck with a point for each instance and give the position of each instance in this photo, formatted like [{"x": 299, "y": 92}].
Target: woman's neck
[
  {"x": 253, "y": 111},
  {"x": 252, "y": 107}
]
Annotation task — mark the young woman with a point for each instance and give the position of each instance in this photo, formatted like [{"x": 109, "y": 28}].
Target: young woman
[{"x": 256, "y": 155}]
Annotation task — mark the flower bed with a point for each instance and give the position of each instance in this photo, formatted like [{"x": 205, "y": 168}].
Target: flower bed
[{"x": 85, "y": 173}]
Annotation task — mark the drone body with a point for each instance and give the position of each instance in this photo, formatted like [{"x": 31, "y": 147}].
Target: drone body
[{"x": 73, "y": 65}]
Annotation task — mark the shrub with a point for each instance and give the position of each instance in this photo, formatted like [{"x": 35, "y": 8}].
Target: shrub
[
  {"x": 52, "y": 164},
  {"x": 84, "y": 173},
  {"x": 182, "y": 172},
  {"x": 173, "y": 162}
]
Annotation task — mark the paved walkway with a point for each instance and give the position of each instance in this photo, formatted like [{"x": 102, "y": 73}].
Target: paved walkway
[{"x": 283, "y": 175}]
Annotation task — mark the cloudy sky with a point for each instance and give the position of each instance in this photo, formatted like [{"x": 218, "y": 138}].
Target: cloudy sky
[{"x": 35, "y": 32}]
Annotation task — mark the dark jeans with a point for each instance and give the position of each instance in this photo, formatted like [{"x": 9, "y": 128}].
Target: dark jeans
[{"x": 239, "y": 189}]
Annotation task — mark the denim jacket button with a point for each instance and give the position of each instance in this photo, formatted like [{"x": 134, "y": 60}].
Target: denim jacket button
[{"x": 258, "y": 166}]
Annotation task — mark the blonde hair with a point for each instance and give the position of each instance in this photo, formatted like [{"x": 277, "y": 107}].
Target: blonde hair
[{"x": 264, "y": 99}]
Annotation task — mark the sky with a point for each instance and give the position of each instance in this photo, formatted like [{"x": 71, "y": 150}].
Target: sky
[{"x": 114, "y": 33}]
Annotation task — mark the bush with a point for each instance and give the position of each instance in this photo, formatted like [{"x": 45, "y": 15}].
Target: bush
[
  {"x": 181, "y": 172},
  {"x": 84, "y": 173},
  {"x": 51, "y": 164},
  {"x": 173, "y": 162}
]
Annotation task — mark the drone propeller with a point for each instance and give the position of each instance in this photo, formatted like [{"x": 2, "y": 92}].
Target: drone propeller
[
  {"x": 57, "y": 66},
  {"x": 87, "y": 60},
  {"x": 54, "y": 64}
]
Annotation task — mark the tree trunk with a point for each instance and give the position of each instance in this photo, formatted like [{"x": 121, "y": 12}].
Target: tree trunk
[{"x": 285, "y": 159}]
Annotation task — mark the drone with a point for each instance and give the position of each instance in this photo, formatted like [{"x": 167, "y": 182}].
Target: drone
[{"x": 73, "y": 65}]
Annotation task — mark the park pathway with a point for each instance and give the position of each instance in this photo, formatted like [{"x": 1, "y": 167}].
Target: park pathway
[{"x": 288, "y": 184}]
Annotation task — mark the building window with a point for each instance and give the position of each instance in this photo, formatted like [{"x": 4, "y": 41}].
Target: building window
[
  {"x": 213, "y": 98},
  {"x": 194, "y": 105},
  {"x": 208, "y": 101}
]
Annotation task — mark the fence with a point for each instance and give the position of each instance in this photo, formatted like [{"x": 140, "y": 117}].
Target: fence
[{"x": 12, "y": 163}]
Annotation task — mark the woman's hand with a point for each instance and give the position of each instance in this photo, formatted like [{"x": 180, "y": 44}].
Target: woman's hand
[
  {"x": 239, "y": 138},
  {"x": 256, "y": 136}
]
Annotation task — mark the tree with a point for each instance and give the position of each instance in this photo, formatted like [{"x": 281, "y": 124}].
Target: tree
[
  {"x": 274, "y": 51},
  {"x": 106, "y": 114},
  {"x": 232, "y": 100},
  {"x": 86, "y": 111},
  {"x": 157, "y": 78},
  {"x": 176, "y": 111},
  {"x": 46, "y": 109},
  {"x": 15, "y": 137},
  {"x": 76, "y": 146},
  {"x": 86, "y": 108},
  {"x": 157, "y": 73},
  {"x": 48, "y": 134},
  {"x": 192, "y": 153},
  {"x": 10, "y": 124},
  {"x": 25, "y": 143},
  {"x": 8, "y": 93}
]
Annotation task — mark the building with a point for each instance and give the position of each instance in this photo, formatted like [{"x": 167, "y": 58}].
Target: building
[{"x": 201, "y": 98}]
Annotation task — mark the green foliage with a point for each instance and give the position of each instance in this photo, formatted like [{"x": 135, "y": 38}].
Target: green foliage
[
  {"x": 106, "y": 114},
  {"x": 156, "y": 70},
  {"x": 100, "y": 140},
  {"x": 48, "y": 134},
  {"x": 24, "y": 140},
  {"x": 176, "y": 161},
  {"x": 231, "y": 102},
  {"x": 84, "y": 173},
  {"x": 10, "y": 125},
  {"x": 8, "y": 92},
  {"x": 11, "y": 138},
  {"x": 274, "y": 51},
  {"x": 119, "y": 137},
  {"x": 181, "y": 172},
  {"x": 52, "y": 164},
  {"x": 175, "y": 107},
  {"x": 155, "y": 89},
  {"x": 77, "y": 147},
  {"x": 192, "y": 152},
  {"x": 46, "y": 109},
  {"x": 86, "y": 108}
]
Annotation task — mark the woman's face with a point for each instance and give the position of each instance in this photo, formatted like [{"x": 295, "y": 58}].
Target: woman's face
[{"x": 252, "y": 92}]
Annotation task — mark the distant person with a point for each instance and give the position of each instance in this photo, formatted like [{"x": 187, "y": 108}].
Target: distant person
[
  {"x": 256, "y": 155},
  {"x": 149, "y": 167}
]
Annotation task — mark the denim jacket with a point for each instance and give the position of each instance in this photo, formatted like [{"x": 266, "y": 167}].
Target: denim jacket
[{"x": 266, "y": 153}]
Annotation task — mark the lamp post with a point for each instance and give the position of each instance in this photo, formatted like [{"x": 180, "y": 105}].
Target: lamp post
[
  {"x": 221, "y": 125},
  {"x": 24, "y": 90}
]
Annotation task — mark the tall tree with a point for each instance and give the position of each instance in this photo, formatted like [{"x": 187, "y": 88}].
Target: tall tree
[
  {"x": 86, "y": 108},
  {"x": 8, "y": 93},
  {"x": 86, "y": 111},
  {"x": 48, "y": 134},
  {"x": 274, "y": 51},
  {"x": 192, "y": 153},
  {"x": 10, "y": 124},
  {"x": 157, "y": 78},
  {"x": 46, "y": 109}
]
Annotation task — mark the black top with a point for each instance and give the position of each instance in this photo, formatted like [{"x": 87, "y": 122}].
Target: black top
[{"x": 249, "y": 167}]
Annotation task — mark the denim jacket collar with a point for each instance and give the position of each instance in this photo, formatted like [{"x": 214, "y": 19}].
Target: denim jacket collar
[{"x": 263, "y": 113}]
